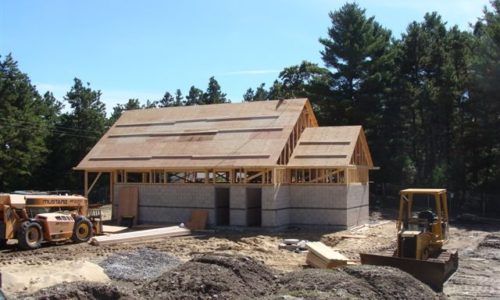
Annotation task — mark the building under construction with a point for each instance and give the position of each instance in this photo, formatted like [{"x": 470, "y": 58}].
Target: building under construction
[{"x": 264, "y": 163}]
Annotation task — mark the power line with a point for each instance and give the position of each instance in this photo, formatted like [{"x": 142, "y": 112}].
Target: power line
[
  {"x": 58, "y": 126},
  {"x": 53, "y": 130}
]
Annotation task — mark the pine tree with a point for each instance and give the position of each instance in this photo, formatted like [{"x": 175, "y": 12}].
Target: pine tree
[
  {"x": 358, "y": 50},
  {"x": 83, "y": 126},
  {"x": 167, "y": 100},
  {"x": 214, "y": 95},
  {"x": 360, "y": 57},
  {"x": 179, "y": 99},
  {"x": 194, "y": 97},
  {"x": 483, "y": 106},
  {"x": 120, "y": 108},
  {"x": 24, "y": 126}
]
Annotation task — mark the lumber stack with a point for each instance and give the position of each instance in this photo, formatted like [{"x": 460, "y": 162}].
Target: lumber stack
[
  {"x": 141, "y": 235},
  {"x": 323, "y": 257}
]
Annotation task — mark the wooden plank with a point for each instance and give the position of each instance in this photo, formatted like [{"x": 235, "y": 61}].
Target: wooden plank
[
  {"x": 322, "y": 256},
  {"x": 112, "y": 229},
  {"x": 198, "y": 220},
  {"x": 353, "y": 236},
  {"x": 94, "y": 182},
  {"x": 315, "y": 261},
  {"x": 128, "y": 202},
  {"x": 141, "y": 235},
  {"x": 86, "y": 183}
]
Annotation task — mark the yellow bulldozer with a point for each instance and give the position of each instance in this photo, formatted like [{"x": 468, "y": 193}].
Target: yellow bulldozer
[
  {"x": 421, "y": 235},
  {"x": 34, "y": 218}
]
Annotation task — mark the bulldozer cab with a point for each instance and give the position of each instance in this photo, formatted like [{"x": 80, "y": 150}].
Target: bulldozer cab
[{"x": 433, "y": 219}]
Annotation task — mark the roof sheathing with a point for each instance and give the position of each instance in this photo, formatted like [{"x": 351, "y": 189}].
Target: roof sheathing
[
  {"x": 327, "y": 147},
  {"x": 208, "y": 136}
]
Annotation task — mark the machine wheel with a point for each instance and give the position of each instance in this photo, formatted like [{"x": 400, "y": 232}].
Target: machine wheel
[
  {"x": 29, "y": 235},
  {"x": 82, "y": 232}
]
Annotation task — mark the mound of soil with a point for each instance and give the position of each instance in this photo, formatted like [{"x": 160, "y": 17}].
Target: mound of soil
[
  {"x": 225, "y": 276},
  {"x": 138, "y": 265},
  {"x": 212, "y": 276},
  {"x": 354, "y": 282},
  {"x": 81, "y": 291},
  {"x": 490, "y": 241}
]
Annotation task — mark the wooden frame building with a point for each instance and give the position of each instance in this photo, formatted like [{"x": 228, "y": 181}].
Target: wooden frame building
[{"x": 264, "y": 163}]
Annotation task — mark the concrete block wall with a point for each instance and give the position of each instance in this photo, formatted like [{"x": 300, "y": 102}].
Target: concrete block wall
[
  {"x": 318, "y": 205},
  {"x": 275, "y": 206},
  {"x": 237, "y": 206},
  {"x": 358, "y": 204},
  {"x": 172, "y": 203},
  {"x": 335, "y": 205},
  {"x": 340, "y": 206}
]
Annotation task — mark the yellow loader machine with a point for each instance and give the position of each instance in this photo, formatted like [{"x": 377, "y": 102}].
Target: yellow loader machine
[
  {"x": 35, "y": 218},
  {"x": 420, "y": 239}
]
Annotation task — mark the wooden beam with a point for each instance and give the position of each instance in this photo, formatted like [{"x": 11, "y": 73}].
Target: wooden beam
[
  {"x": 111, "y": 187},
  {"x": 86, "y": 184},
  {"x": 93, "y": 183},
  {"x": 255, "y": 176},
  {"x": 137, "y": 236}
]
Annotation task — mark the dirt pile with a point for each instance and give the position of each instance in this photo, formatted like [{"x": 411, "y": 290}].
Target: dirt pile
[
  {"x": 213, "y": 276},
  {"x": 490, "y": 241},
  {"x": 224, "y": 276},
  {"x": 354, "y": 282},
  {"x": 79, "y": 290},
  {"x": 138, "y": 265}
]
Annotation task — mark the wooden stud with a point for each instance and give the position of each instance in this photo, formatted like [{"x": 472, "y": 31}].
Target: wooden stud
[
  {"x": 86, "y": 183},
  {"x": 93, "y": 183},
  {"x": 111, "y": 187}
]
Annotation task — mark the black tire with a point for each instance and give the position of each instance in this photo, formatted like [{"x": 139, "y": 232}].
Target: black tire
[
  {"x": 29, "y": 235},
  {"x": 82, "y": 232}
]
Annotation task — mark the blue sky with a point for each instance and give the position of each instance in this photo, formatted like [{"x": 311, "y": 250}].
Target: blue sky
[{"x": 140, "y": 49}]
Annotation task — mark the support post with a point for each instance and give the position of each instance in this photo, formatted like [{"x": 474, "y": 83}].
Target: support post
[{"x": 86, "y": 184}]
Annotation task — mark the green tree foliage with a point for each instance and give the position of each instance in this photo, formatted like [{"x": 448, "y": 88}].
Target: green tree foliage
[
  {"x": 306, "y": 80},
  {"x": 249, "y": 95},
  {"x": 433, "y": 80},
  {"x": 482, "y": 107},
  {"x": 360, "y": 57},
  {"x": 167, "y": 100},
  {"x": 25, "y": 120},
  {"x": 259, "y": 94},
  {"x": 358, "y": 51},
  {"x": 150, "y": 104},
  {"x": 194, "y": 96},
  {"x": 81, "y": 128},
  {"x": 213, "y": 95},
  {"x": 179, "y": 99},
  {"x": 170, "y": 100},
  {"x": 120, "y": 108}
]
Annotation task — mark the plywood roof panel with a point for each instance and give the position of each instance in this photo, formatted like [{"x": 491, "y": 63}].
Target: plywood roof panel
[
  {"x": 228, "y": 135},
  {"x": 326, "y": 147}
]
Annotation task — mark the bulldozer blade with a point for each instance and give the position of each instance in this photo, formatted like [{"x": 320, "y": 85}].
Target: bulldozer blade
[{"x": 434, "y": 271}]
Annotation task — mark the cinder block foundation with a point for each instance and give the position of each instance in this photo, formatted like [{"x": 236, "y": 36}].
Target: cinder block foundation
[{"x": 339, "y": 206}]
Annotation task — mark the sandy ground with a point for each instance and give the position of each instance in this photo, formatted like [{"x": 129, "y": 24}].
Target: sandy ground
[
  {"x": 17, "y": 277},
  {"x": 478, "y": 275}
]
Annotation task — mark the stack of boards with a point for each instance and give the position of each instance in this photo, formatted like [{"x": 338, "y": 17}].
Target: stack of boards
[
  {"x": 323, "y": 257},
  {"x": 140, "y": 235}
]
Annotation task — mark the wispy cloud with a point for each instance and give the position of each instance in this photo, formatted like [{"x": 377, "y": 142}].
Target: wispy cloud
[{"x": 251, "y": 72}]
